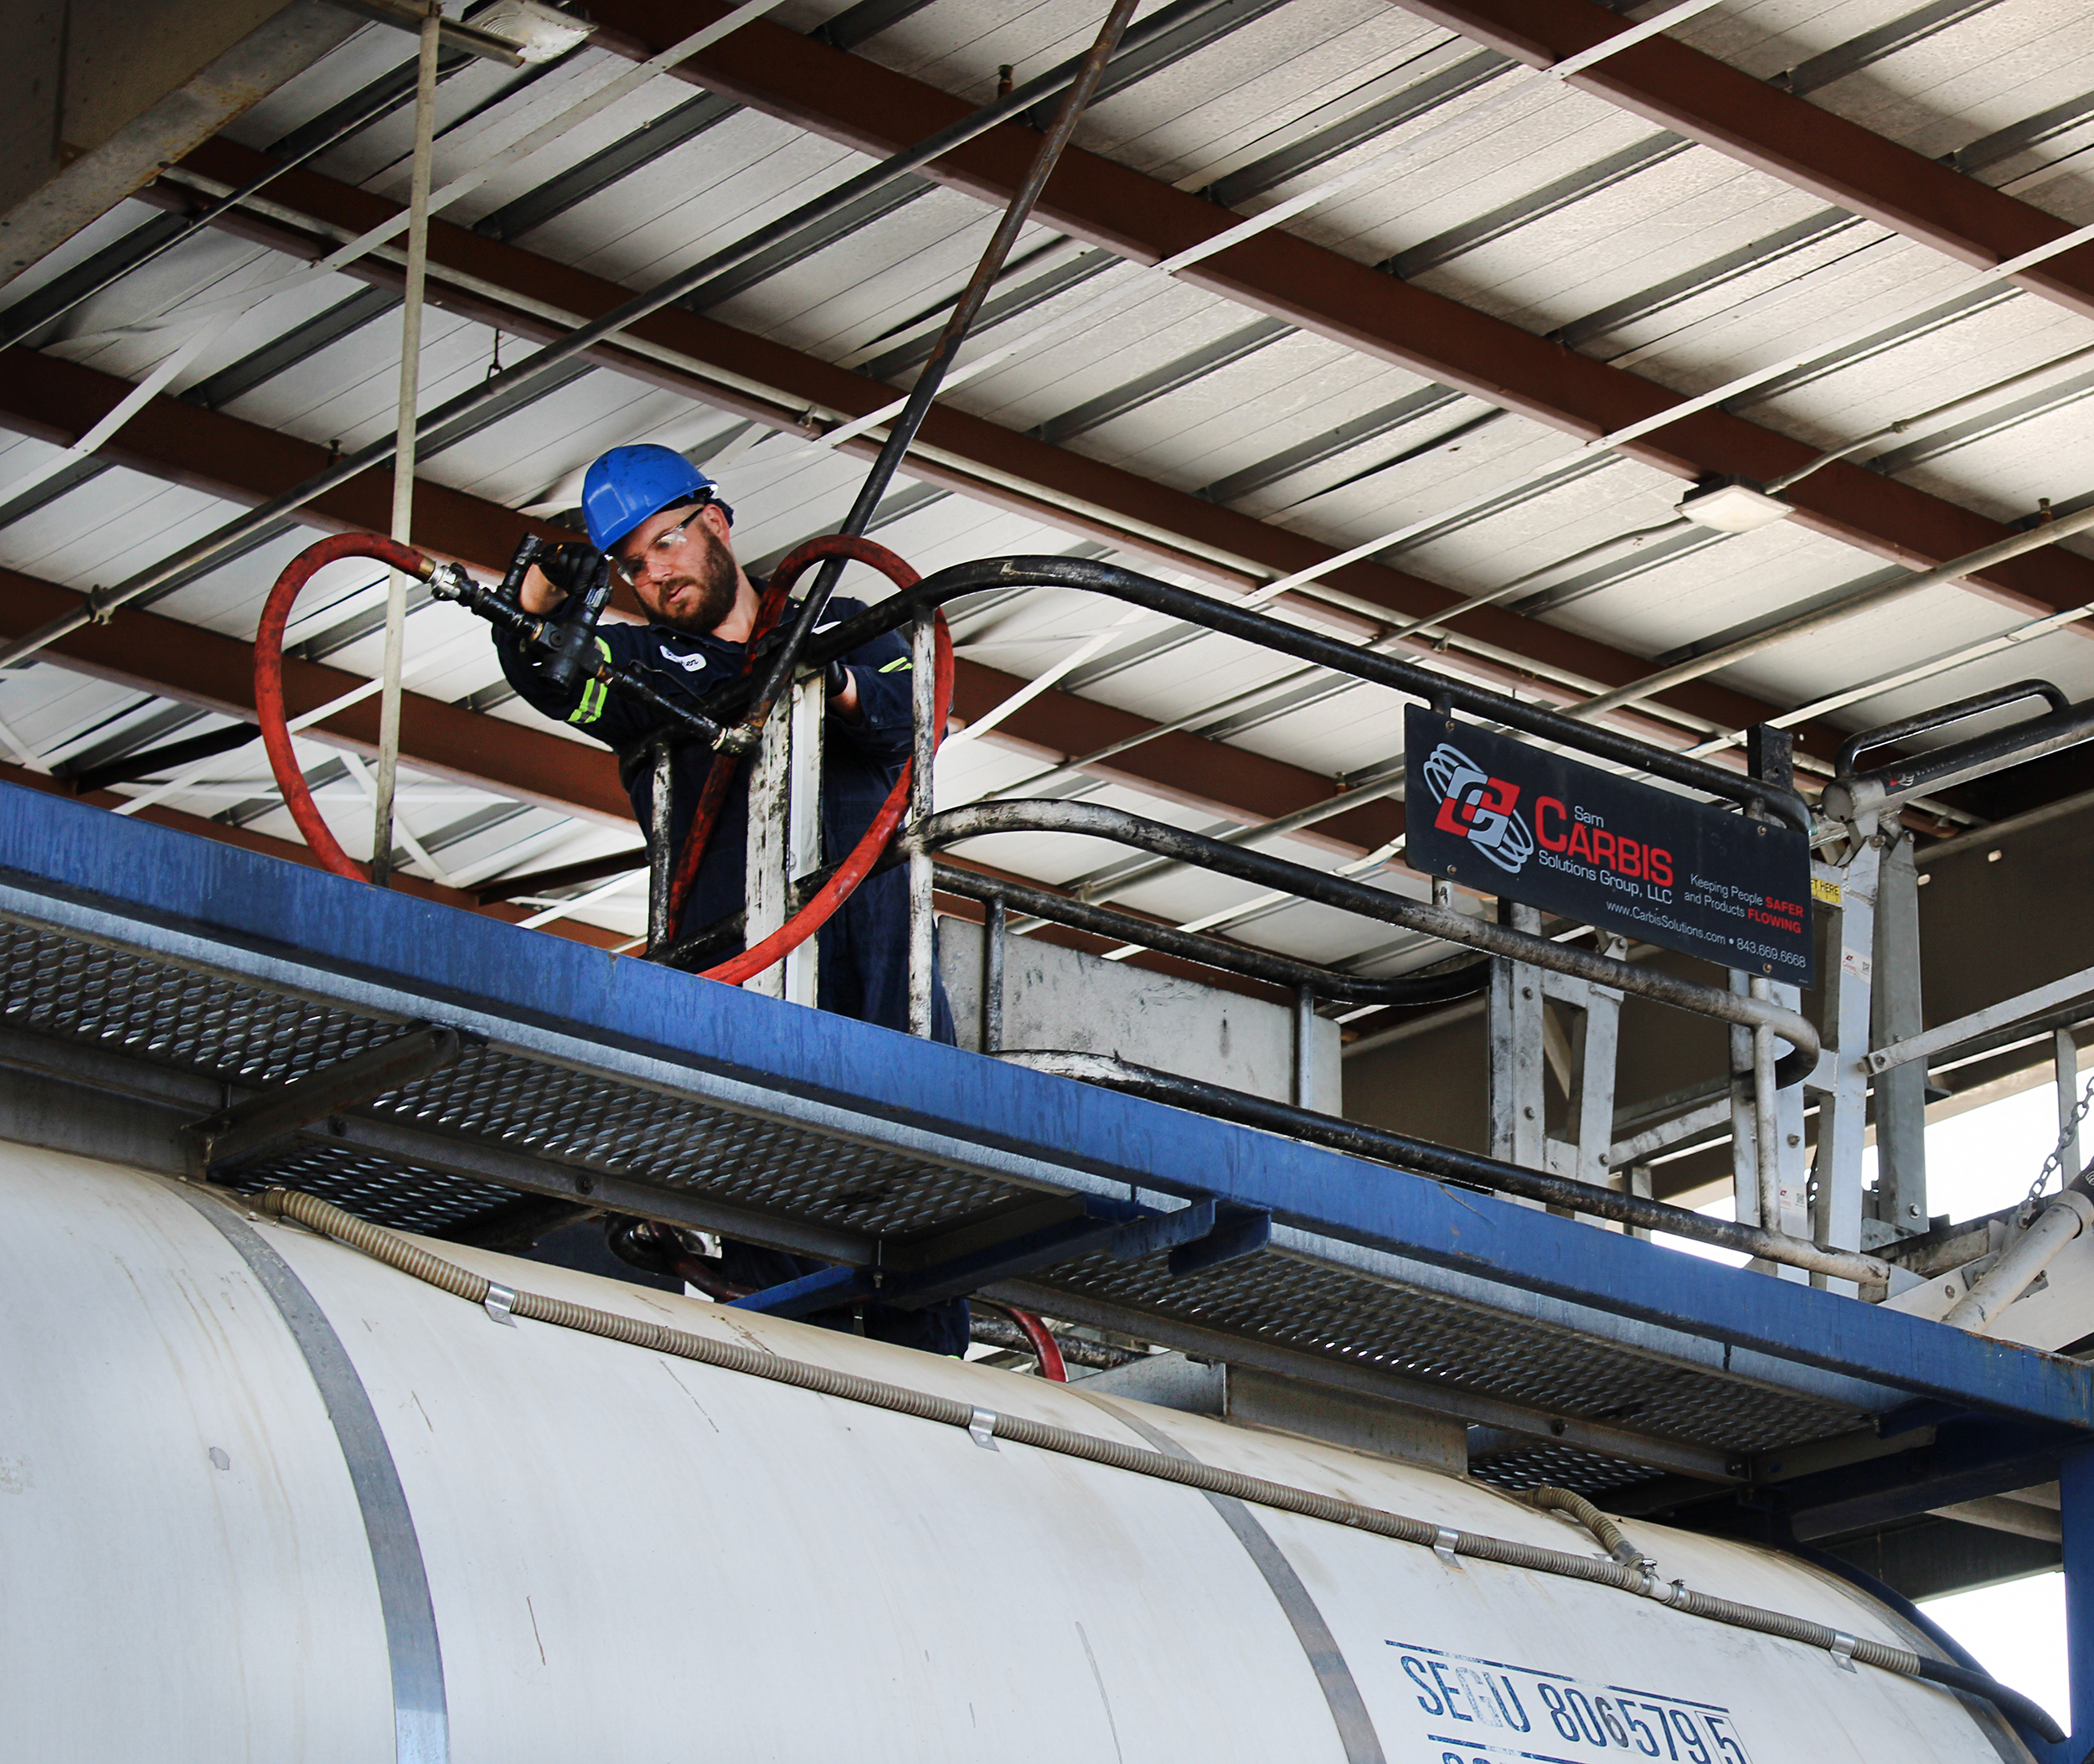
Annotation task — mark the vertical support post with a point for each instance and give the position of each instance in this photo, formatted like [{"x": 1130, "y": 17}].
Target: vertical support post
[
  {"x": 1304, "y": 1048},
  {"x": 1517, "y": 1116},
  {"x": 404, "y": 446},
  {"x": 661, "y": 849},
  {"x": 1766, "y": 1156},
  {"x": 2075, "y": 1505},
  {"x": 1757, "y": 1152},
  {"x": 1636, "y": 1180},
  {"x": 767, "y": 883},
  {"x": 923, "y": 956},
  {"x": 2064, "y": 1061},
  {"x": 1901, "y": 1093},
  {"x": 995, "y": 944},
  {"x": 1766, "y": 1142},
  {"x": 1590, "y": 1128},
  {"x": 809, "y": 709},
  {"x": 1848, "y": 891}
]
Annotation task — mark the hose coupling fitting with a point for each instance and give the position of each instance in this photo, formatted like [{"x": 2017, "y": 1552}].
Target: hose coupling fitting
[{"x": 447, "y": 581}]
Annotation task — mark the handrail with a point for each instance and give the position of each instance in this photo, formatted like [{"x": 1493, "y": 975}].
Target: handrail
[
  {"x": 1848, "y": 798},
  {"x": 1428, "y": 683},
  {"x": 1450, "y": 1164},
  {"x": 1254, "y": 964},
  {"x": 977, "y": 820},
  {"x": 1942, "y": 715}
]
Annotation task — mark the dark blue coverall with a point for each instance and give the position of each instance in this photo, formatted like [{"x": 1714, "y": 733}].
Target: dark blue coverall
[{"x": 863, "y": 965}]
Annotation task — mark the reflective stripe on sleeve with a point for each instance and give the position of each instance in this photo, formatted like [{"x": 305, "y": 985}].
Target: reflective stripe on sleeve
[{"x": 594, "y": 693}]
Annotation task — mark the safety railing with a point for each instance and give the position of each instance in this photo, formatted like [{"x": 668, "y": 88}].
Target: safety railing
[{"x": 732, "y": 722}]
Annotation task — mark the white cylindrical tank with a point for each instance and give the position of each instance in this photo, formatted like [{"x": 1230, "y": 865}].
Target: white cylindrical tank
[{"x": 264, "y": 1498}]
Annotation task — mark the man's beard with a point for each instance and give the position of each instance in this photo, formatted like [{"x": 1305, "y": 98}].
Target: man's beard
[{"x": 714, "y": 578}]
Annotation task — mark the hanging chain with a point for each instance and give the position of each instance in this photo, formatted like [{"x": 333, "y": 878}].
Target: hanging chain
[{"x": 2057, "y": 1155}]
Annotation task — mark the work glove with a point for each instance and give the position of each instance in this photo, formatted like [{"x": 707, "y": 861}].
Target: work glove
[{"x": 570, "y": 566}]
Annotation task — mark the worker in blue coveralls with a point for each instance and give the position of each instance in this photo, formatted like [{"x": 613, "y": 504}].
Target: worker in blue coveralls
[{"x": 669, "y": 538}]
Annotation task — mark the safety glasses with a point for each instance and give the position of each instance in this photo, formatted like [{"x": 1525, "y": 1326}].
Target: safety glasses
[{"x": 663, "y": 550}]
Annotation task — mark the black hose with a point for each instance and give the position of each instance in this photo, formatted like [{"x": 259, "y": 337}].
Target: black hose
[
  {"x": 1445, "y": 1162},
  {"x": 1439, "y": 986},
  {"x": 902, "y": 434},
  {"x": 1974, "y": 1681},
  {"x": 2010, "y": 1702},
  {"x": 976, "y": 820},
  {"x": 1266, "y": 633}
]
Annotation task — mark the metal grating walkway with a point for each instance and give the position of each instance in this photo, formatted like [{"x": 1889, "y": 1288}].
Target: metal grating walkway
[{"x": 623, "y": 1085}]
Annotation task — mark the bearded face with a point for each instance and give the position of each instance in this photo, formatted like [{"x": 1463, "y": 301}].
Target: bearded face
[{"x": 697, "y": 590}]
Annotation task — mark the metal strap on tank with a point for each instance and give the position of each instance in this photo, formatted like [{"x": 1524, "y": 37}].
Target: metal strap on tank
[
  {"x": 1334, "y": 1676},
  {"x": 422, "y": 1722}
]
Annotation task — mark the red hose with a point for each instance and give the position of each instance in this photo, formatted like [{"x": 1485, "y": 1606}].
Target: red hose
[
  {"x": 269, "y": 681},
  {"x": 1052, "y": 1367},
  {"x": 854, "y": 868},
  {"x": 269, "y": 706},
  {"x": 714, "y": 794}
]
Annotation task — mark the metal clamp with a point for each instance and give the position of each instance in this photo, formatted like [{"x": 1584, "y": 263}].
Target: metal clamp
[
  {"x": 1443, "y": 1542},
  {"x": 500, "y": 1300},
  {"x": 1843, "y": 1650},
  {"x": 982, "y": 1428}
]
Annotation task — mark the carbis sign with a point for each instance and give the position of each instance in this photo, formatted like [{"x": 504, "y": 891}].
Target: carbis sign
[{"x": 1500, "y": 816}]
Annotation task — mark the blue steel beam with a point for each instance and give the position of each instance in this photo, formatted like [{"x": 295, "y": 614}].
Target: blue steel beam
[
  {"x": 1196, "y": 1236},
  {"x": 49, "y": 847}
]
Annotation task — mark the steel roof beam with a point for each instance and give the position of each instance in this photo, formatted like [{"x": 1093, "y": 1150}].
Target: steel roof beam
[
  {"x": 149, "y": 652},
  {"x": 1758, "y": 124},
  {"x": 228, "y": 456},
  {"x": 479, "y": 277},
  {"x": 877, "y": 111},
  {"x": 293, "y": 852}
]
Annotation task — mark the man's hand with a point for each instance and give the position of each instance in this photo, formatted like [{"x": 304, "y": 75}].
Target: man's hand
[
  {"x": 841, "y": 686},
  {"x": 538, "y": 595}
]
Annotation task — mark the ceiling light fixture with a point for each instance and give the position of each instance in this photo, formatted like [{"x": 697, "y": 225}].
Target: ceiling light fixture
[
  {"x": 538, "y": 32},
  {"x": 1733, "y": 505}
]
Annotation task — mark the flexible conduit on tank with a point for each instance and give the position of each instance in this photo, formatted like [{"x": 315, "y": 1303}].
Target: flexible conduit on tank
[
  {"x": 1624, "y": 1568},
  {"x": 319, "y": 837}
]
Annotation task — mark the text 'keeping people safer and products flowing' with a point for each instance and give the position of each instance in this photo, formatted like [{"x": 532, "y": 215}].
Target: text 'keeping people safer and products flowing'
[{"x": 1497, "y": 815}]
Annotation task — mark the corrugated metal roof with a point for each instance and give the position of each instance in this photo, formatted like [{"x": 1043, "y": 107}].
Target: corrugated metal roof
[{"x": 1555, "y": 209}]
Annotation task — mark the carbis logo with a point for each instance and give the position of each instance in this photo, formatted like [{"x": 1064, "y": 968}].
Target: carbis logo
[
  {"x": 1504, "y": 818},
  {"x": 1476, "y": 807}
]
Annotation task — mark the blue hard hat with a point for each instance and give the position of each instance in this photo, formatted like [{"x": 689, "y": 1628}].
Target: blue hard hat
[{"x": 628, "y": 484}]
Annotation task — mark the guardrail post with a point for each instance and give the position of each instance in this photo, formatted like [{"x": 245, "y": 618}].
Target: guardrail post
[
  {"x": 767, "y": 880},
  {"x": 661, "y": 847},
  {"x": 1517, "y": 1105},
  {"x": 922, "y": 928},
  {"x": 1901, "y": 1092},
  {"x": 1847, "y": 893},
  {"x": 2064, "y": 1064},
  {"x": 995, "y": 941},
  {"x": 803, "y": 854}
]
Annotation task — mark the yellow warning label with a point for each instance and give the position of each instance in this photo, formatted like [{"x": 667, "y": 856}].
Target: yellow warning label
[{"x": 1821, "y": 890}]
